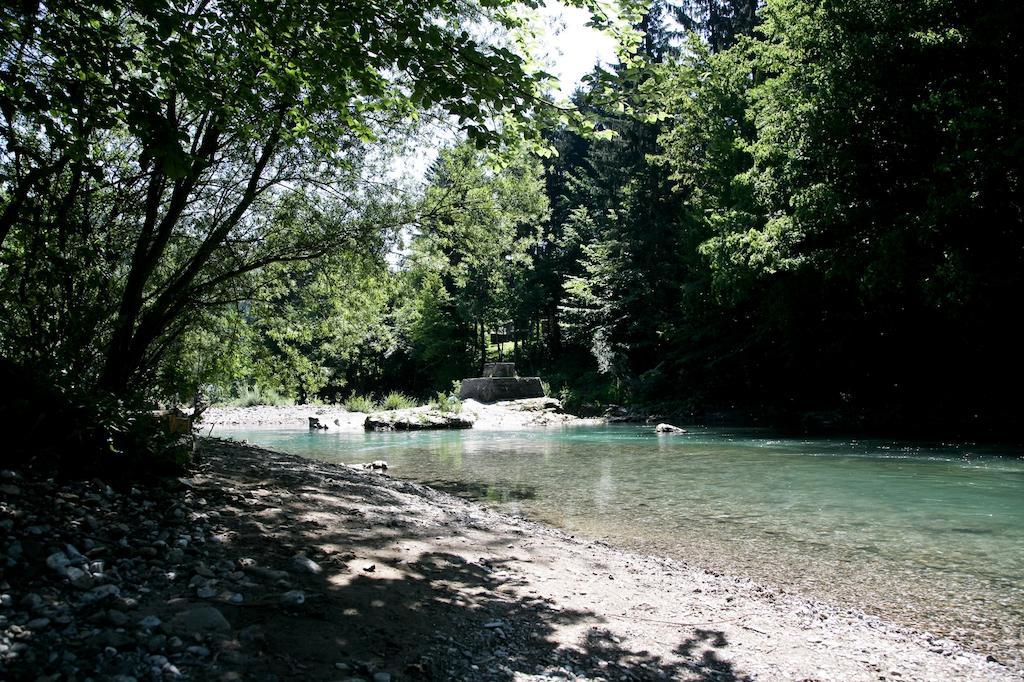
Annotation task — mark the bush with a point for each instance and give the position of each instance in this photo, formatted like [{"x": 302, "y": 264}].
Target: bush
[
  {"x": 359, "y": 403},
  {"x": 69, "y": 431},
  {"x": 397, "y": 401},
  {"x": 446, "y": 403},
  {"x": 249, "y": 396}
]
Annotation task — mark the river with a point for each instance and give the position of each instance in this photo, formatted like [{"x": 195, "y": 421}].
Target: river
[{"x": 929, "y": 536}]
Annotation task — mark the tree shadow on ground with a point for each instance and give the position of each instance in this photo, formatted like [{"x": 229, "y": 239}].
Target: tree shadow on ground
[{"x": 390, "y": 599}]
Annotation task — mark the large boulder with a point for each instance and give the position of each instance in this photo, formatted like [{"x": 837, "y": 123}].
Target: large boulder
[
  {"x": 545, "y": 404},
  {"x": 416, "y": 419},
  {"x": 668, "y": 428},
  {"x": 492, "y": 389}
]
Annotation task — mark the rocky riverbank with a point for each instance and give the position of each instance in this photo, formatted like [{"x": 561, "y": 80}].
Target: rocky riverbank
[
  {"x": 266, "y": 566},
  {"x": 506, "y": 414}
]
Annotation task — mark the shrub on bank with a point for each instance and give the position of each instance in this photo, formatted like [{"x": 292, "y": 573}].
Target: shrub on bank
[
  {"x": 446, "y": 403},
  {"x": 396, "y": 400},
  {"x": 359, "y": 403},
  {"x": 250, "y": 396},
  {"x": 64, "y": 429}
]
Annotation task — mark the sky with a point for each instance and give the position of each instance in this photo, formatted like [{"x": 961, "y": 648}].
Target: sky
[
  {"x": 571, "y": 50},
  {"x": 572, "y": 47}
]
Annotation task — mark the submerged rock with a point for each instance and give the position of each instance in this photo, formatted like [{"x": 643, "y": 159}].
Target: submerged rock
[{"x": 376, "y": 465}]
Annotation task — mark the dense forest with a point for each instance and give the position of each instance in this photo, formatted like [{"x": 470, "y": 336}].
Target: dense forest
[{"x": 767, "y": 208}]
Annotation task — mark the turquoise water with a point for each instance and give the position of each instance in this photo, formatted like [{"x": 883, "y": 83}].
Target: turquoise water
[{"x": 930, "y": 536}]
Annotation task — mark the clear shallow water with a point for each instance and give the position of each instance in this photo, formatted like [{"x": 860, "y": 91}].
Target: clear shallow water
[{"x": 930, "y": 536}]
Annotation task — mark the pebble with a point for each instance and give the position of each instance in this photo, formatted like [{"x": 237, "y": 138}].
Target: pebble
[
  {"x": 113, "y": 639},
  {"x": 206, "y": 592},
  {"x": 304, "y": 564},
  {"x": 74, "y": 556},
  {"x": 38, "y": 624},
  {"x": 252, "y": 633},
  {"x": 117, "y": 618},
  {"x": 201, "y": 619},
  {"x": 293, "y": 597},
  {"x": 149, "y": 622},
  {"x": 265, "y": 573},
  {"x": 58, "y": 562},
  {"x": 79, "y": 578},
  {"x": 101, "y": 593}
]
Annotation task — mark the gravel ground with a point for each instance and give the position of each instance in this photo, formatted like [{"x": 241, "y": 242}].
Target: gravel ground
[
  {"x": 267, "y": 566},
  {"x": 508, "y": 414}
]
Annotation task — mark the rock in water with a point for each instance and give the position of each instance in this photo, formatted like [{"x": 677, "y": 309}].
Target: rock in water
[{"x": 668, "y": 428}]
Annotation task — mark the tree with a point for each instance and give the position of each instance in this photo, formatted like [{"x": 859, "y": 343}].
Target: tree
[
  {"x": 842, "y": 161},
  {"x": 472, "y": 251},
  {"x": 147, "y": 144}
]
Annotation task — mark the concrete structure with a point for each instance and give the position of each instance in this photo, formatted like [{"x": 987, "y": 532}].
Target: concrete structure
[
  {"x": 500, "y": 382},
  {"x": 500, "y": 369}
]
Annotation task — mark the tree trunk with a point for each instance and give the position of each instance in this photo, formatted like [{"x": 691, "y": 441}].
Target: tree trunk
[
  {"x": 137, "y": 329},
  {"x": 554, "y": 333},
  {"x": 483, "y": 348},
  {"x": 125, "y": 354}
]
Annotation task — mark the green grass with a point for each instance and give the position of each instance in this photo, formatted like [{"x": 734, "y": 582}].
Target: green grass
[
  {"x": 446, "y": 403},
  {"x": 397, "y": 400},
  {"x": 359, "y": 403}
]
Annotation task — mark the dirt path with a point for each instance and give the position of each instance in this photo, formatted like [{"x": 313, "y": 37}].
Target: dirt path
[{"x": 294, "y": 569}]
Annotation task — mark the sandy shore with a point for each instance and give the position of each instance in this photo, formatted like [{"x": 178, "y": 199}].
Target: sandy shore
[
  {"x": 511, "y": 414},
  {"x": 268, "y": 566}
]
